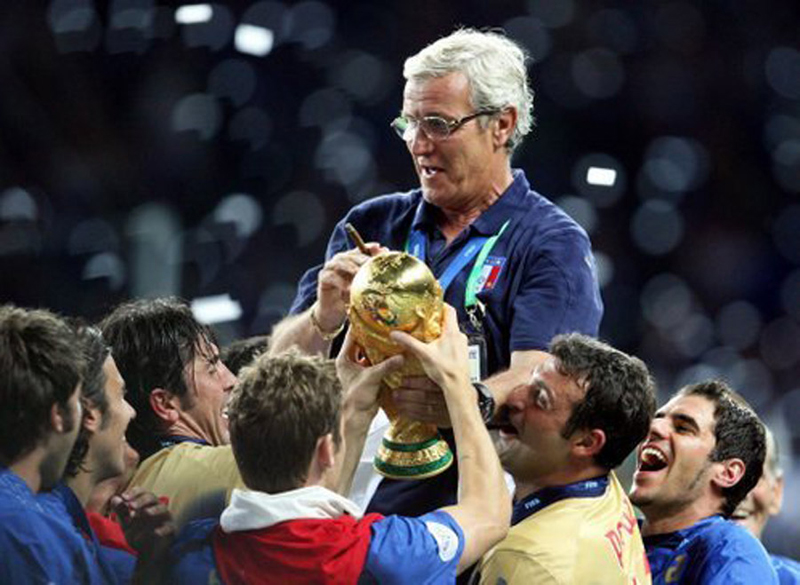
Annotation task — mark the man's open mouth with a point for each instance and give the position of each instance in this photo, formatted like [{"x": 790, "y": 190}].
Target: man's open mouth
[
  {"x": 501, "y": 422},
  {"x": 652, "y": 459}
]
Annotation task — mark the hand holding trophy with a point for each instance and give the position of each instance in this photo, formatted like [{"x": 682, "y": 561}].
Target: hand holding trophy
[{"x": 394, "y": 291}]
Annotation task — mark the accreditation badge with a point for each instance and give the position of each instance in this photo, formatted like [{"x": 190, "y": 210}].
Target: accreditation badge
[{"x": 476, "y": 351}]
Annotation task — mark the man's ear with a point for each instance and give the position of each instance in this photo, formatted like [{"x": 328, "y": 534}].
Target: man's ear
[
  {"x": 92, "y": 419},
  {"x": 58, "y": 419},
  {"x": 165, "y": 405},
  {"x": 588, "y": 443},
  {"x": 503, "y": 127},
  {"x": 326, "y": 452},
  {"x": 728, "y": 473}
]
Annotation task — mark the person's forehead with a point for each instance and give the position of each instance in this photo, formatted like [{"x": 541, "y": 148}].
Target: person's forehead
[
  {"x": 451, "y": 90},
  {"x": 700, "y": 408},
  {"x": 561, "y": 385}
]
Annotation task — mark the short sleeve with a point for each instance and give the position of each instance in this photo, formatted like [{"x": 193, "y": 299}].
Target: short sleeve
[
  {"x": 415, "y": 550},
  {"x": 560, "y": 293}
]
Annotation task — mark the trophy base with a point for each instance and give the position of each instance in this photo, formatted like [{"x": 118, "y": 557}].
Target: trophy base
[{"x": 413, "y": 461}]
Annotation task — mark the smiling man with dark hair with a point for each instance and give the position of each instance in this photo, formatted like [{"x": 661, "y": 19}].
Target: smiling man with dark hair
[{"x": 703, "y": 454}]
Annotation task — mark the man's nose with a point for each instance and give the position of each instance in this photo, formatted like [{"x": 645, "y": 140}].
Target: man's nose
[{"x": 419, "y": 143}]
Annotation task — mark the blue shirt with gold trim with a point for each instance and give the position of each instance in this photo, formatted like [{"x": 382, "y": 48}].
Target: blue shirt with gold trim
[{"x": 713, "y": 551}]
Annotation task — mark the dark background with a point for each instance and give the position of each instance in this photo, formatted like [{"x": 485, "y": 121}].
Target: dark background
[{"x": 142, "y": 156}]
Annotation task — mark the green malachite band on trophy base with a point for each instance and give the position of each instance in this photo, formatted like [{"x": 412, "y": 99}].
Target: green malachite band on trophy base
[
  {"x": 416, "y": 471},
  {"x": 409, "y": 447}
]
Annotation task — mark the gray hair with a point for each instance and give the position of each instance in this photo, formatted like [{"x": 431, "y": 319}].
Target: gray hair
[{"x": 493, "y": 64}]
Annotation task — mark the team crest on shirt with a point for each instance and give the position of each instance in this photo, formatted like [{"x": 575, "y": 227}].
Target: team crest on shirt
[{"x": 492, "y": 267}]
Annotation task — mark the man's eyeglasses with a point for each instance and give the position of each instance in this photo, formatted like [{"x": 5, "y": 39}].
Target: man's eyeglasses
[{"x": 434, "y": 127}]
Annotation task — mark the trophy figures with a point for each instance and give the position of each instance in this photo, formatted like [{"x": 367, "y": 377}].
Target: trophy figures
[{"x": 396, "y": 292}]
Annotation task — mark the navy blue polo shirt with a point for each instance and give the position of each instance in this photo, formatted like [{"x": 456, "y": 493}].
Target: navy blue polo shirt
[
  {"x": 539, "y": 281},
  {"x": 540, "y": 277}
]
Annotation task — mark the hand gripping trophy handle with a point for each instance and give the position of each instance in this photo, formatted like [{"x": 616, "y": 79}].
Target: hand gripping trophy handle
[{"x": 396, "y": 292}]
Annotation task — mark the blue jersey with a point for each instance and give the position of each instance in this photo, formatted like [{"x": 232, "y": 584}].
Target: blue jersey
[
  {"x": 38, "y": 545},
  {"x": 713, "y": 551},
  {"x": 401, "y": 550},
  {"x": 116, "y": 566},
  {"x": 788, "y": 569}
]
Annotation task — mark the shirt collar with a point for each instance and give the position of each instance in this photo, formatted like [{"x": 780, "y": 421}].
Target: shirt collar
[
  {"x": 490, "y": 221},
  {"x": 252, "y": 510}
]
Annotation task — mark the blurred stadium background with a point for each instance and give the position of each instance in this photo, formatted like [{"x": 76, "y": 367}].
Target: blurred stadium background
[{"x": 151, "y": 148}]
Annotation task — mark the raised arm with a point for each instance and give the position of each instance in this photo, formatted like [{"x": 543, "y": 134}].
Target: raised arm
[
  {"x": 484, "y": 504},
  {"x": 313, "y": 330},
  {"x": 360, "y": 386}
]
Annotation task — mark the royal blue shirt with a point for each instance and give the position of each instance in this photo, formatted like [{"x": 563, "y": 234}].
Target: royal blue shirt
[
  {"x": 540, "y": 277},
  {"x": 116, "y": 566},
  {"x": 402, "y": 550},
  {"x": 788, "y": 569},
  {"x": 38, "y": 545},
  {"x": 713, "y": 551}
]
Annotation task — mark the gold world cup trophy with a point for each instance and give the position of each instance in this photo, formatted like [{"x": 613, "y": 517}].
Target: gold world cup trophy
[{"x": 394, "y": 291}]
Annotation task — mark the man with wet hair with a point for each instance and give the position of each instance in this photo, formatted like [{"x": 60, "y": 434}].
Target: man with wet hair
[
  {"x": 704, "y": 452},
  {"x": 179, "y": 388},
  {"x": 582, "y": 413},
  {"x": 517, "y": 268}
]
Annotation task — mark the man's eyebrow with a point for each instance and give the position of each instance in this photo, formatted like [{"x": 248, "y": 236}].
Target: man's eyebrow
[{"x": 686, "y": 419}]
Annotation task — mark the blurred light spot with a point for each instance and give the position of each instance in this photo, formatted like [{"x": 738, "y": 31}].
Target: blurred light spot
[
  {"x": 790, "y": 294},
  {"x": 680, "y": 27},
  {"x": 242, "y": 210},
  {"x": 580, "y": 210},
  {"x": 790, "y": 406},
  {"x": 779, "y": 128},
  {"x": 198, "y": 112},
  {"x": 693, "y": 335},
  {"x": 780, "y": 343},
  {"x": 752, "y": 380},
  {"x": 561, "y": 88},
  {"x": 595, "y": 184},
  {"x": 234, "y": 79},
  {"x": 269, "y": 15},
  {"x": 216, "y": 309},
  {"x": 105, "y": 265},
  {"x": 156, "y": 250},
  {"x": 604, "y": 267},
  {"x": 252, "y": 125},
  {"x": 696, "y": 373},
  {"x": 91, "y": 236},
  {"x": 674, "y": 165},
  {"x": 739, "y": 324},
  {"x": 666, "y": 301},
  {"x": 614, "y": 29},
  {"x": 363, "y": 76},
  {"x": 601, "y": 177},
  {"x": 598, "y": 73},
  {"x": 303, "y": 211},
  {"x": 657, "y": 227},
  {"x": 194, "y": 14},
  {"x": 75, "y": 25},
  {"x": 131, "y": 27},
  {"x": 16, "y": 204},
  {"x": 786, "y": 232},
  {"x": 213, "y": 33},
  {"x": 783, "y": 71},
  {"x": 312, "y": 24},
  {"x": 329, "y": 108},
  {"x": 786, "y": 165},
  {"x": 531, "y": 34},
  {"x": 344, "y": 158},
  {"x": 553, "y": 13},
  {"x": 253, "y": 40}
]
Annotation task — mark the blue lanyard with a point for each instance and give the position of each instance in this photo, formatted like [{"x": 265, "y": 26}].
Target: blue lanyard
[
  {"x": 178, "y": 439},
  {"x": 415, "y": 245},
  {"x": 588, "y": 488}
]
